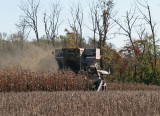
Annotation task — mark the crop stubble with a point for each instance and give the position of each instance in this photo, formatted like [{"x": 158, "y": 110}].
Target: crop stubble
[{"x": 80, "y": 103}]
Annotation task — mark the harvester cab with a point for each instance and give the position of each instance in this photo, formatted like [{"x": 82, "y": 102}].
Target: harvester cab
[{"x": 80, "y": 59}]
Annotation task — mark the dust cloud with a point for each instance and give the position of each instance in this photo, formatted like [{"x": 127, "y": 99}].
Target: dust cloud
[{"x": 30, "y": 57}]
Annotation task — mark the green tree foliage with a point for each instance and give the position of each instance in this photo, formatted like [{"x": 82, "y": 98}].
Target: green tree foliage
[{"x": 129, "y": 61}]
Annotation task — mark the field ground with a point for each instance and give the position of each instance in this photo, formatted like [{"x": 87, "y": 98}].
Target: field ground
[{"x": 80, "y": 103}]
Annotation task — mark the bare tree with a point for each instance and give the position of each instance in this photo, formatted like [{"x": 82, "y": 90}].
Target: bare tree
[
  {"x": 77, "y": 19},
  {"x": 146, "y": 45},
  {"x": 93, "y": 14},
  {"x": 103, "y": 17},
  {"x": 52, "y": 22},
  {"x": 148, "y": 19},
  {"x": 30, "y": 9},
  {"x": 129, "y": 21},
  {"x": 23, "y": 32},
  {"x": 127, "y": 28},
  {"x": 141, "y": 33},
  {"x": 101, "y": 14}
]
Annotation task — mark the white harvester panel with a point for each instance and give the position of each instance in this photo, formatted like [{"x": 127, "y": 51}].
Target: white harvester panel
[
  {"x": 94, "y": 53},
  {"x": 98, "y": 54}
]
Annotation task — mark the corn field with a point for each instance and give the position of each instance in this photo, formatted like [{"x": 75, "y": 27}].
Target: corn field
[
  {"x": 16, "y": 79},
  {"x": 21, "y": 80}
]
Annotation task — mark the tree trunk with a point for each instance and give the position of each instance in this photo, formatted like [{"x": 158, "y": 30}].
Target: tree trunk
[
  {"x": 94, "y": 38},
  {"x": 100, "y": 46},
  {"x": 53, "y": 41},
  {"x": 37, "y": 39}
]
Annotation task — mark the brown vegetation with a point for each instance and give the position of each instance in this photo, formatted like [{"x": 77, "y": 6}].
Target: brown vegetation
[
  {"x": 115, "y": 101},
  {"x": 16, "y": 79},
  {"x": 131, "y": 86},
  {"x": 110, "y": 103}
]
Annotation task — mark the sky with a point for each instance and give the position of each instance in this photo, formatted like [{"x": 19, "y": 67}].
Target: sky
[{"x": 10, "y": 14}]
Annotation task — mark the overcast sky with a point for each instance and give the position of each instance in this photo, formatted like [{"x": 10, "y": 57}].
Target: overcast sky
[{"x": 10, "y": 13}]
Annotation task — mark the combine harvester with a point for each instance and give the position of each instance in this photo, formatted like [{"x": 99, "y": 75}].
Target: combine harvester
[{"x": 83, "y": 60}]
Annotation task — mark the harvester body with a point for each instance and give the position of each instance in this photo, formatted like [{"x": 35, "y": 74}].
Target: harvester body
[{"x": 80, "y": 59}]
